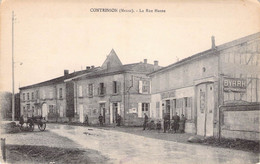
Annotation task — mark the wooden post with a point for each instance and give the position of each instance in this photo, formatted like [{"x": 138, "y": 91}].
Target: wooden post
[{"x": 3, "y": 148}]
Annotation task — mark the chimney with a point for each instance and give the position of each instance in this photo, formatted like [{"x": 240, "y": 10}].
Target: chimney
[
  {"x": 92, "y": 66},
  {"x": 66, "y": 72},
  {"x": 145, "y": 61},
  {"x": 156, "y": 62},
  {"x": 88, "y": 67},
  {"x": 213, "y": 46}
]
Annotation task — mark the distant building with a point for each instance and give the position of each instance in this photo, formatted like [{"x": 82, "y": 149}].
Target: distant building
[
  {"x": 53, "y": 99},
  {"x": 114, "y": 89},
  {"x": 198, "y": 85}
]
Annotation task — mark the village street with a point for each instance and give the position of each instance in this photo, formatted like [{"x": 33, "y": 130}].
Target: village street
[
  {"x": 122, "y": 147},
  {"x": 106, "y": 145}
]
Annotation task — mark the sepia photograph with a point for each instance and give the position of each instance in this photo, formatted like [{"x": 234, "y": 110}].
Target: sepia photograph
[{"x": 130, "y": 82}]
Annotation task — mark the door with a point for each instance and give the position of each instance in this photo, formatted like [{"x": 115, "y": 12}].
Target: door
[
  {"x": 81, "y": 113},
  {"x": 115, "y": 112},
  {"x": 45, "y": 111},
  {"x": 210, "y": 110},
  {"x": 102, "y": 110},
  {"x": 205, "y": 109}
]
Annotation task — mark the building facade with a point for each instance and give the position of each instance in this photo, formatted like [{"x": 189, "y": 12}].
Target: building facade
[
  {"x": 110, "y": 90},
  {"x": 199, "y": 85},
  {"x": 115, "y": 89},
  {"x": 50, "y": 98}
]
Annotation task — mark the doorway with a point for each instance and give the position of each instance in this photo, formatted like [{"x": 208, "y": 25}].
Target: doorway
[
  {"x": 45, "y": 111},
  {"x": 205, "y": 109},
  {"x": 81, "y": 113},
  {"x": 102, "y": 111},
  {"x": 115, "y": 111}
]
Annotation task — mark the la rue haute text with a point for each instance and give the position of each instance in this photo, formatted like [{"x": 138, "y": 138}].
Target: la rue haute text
[{"x": 115, "y": 10}]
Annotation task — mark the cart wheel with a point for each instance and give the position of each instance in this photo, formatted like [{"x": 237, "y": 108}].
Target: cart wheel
[
  {"x": 42, "y": 126},
  {"x": 31, "y": 125}
]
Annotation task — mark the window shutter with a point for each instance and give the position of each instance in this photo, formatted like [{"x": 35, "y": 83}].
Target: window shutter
[
  {"x": 118, "y": 87},
  {"x": 87, "y": 90},
  {"x": 58, "y": 93},
  {"x": 61, "y": 111},
  {"x": 139, "y": 109},
  {"x": 118, "y": 109},
  {"x": 149, "y": 110},
  {"x": 111, "y": 113},
  {"x": 80, "y": 91},
  {"x": 140, "y": 86},
  {"x": 93, "y": 90}
]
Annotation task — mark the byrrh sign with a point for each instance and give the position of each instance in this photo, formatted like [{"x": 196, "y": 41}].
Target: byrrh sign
[{"x": 234, "y": 84}]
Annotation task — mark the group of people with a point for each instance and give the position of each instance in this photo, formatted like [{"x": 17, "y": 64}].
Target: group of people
[
  {"x": 118, "y": 120},
  {"x": 177, "y": 123}
]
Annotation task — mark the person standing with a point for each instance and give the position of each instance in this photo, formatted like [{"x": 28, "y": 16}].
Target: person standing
[
  {"x": 118, "y": 120},
  {"x": 86, "y": 120},
  {"x": 145, "y": 121},
  {"x": 176, "y": 120},
  {"x": 182, "y": 123},
  {"x": 100, "y": 118},
  {"x": 166, "y": 122}
]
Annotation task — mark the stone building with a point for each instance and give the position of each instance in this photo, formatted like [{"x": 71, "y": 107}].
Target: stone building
[
  {"x": 114, "y": 89},
  {"x": 109, "y": 90},
  {"x": 51, "y": 98},
  {"x": 198, "y": 86}
]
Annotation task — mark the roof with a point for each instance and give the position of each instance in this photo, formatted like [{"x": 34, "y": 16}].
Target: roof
[
  {"x": 59, "y": 79},
  {"x": 144, "y": 68},
  {"x": 112, "y": 60},
  {"x": 209, "y": 52}
]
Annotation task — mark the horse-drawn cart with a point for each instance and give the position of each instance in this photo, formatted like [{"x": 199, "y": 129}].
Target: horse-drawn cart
[{"x": 27, "y": 123}]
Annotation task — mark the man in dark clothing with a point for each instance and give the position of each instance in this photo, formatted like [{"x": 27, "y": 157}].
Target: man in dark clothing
[
  {"x": 100, "y": 118},
  {"x": 86, "y": 120},
  {"x": 118, "y": 120},
  {"x": 176, "y": 120},
  {"x": 145, "y": 121},
  {"x": 166, "y": 122}
]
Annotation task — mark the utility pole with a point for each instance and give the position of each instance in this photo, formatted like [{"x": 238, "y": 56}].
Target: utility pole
[{"x": 13, "y": 107}]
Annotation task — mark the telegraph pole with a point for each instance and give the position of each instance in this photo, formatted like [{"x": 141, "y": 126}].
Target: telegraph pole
[{"x": 13, "y": 105}]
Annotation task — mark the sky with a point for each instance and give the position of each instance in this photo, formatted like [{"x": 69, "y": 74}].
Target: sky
[{"x": 53, "y": 35}]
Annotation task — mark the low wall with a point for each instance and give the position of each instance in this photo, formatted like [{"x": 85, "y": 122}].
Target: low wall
[{"x": 240, "y": 121}]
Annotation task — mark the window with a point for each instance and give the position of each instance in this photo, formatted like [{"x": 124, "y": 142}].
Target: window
[
  {"x": 186, "y": 101},
  {"x": 101, "y": 89},
  {"x": 28, "y": 96},
  {"x": 33, "y": 110},
  {"x": 51, "y": 108},
  {"x": 80, "y": 91},
  {"x": 37, "y": 94},
  {"x": 23, "y": 96},
  {"x": 32, "y": 95},
  {"x": 145, "y": 107},
  {"x": 60, "y": 93},
  {"x": 90, "y": 90},
  {"x": 144, "y": 86},
  {"x": 114, "y": 86}
]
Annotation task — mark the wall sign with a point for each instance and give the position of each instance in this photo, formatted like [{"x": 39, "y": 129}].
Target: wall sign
[
  {"x": 234, "y": 84},
  {"x": 169, "y": 94}
]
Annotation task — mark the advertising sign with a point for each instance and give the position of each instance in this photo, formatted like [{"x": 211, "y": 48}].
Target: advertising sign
[{"x": 234, "y": 84}]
